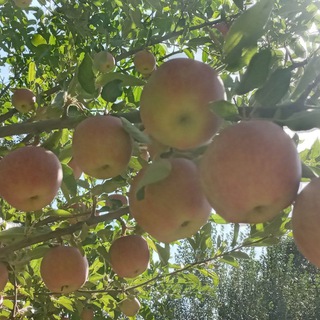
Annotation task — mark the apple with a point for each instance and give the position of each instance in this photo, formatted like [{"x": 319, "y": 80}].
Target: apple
[
  {"x": 103, "y": 61},
  {"x": 250, "y": 171},
  {"x": 23, "y": 100},
  {"x": 30, "y": 178},
  {"x": 23, "y": 4},
  {"x": 4, "y": 276},
  {"x": 101, "y": 147},
  {"x": 306, "y": 222},
  {"x": 116, "y": 200},
  {"x": 174, "y": 104},
  {"x": 87, "y": 314},
  {"x": 174, "y": 207},
  {"x": 223, "y": 28},
  {"x": 130, "y": 306},
  {"x": 144, "y": 62},
  {"x": 129, "y": 256},
  {"x": 64, "y": 269},
  {"x": 77, "y": 172}
]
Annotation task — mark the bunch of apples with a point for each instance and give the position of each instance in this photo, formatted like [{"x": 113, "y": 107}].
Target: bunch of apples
[{"x": 249, "y": 172}]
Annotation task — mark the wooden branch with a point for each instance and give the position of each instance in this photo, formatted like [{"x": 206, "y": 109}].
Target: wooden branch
[
  {"x": 38, "y": 126},
  {"x": 5, "y": 251}
]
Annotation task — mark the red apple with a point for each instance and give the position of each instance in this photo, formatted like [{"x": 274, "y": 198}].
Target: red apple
[
  {"x": 101, "y": 147},
  {"x": 173, "y": 208},
  {"x": 306, "y": 222},
  {"x": 250, "y": 172},
  {"x": 129, "y": 256},
  {"x": 174, "y": 104},
  {"x": 87, "y": 314},
  {"x": 64, "y": 269},
  {"x": 30, "y": 178}
]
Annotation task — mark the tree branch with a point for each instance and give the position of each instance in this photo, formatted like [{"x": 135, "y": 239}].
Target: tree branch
[{"x": 5, "y": 251}]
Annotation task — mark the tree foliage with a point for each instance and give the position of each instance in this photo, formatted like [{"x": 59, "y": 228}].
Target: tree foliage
[{"x": 268, "y": 61}]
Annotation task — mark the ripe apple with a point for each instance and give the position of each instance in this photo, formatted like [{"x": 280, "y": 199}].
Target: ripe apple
[
  {"x": 64, "y": 269},
  {"x": 87, "y": 314},
  {"x": 130, "y": 306},
  {"x": 23, "y": 100},
  {"x": 30, "y": 178},
  {"x": 101, "y": 147},
  {"x": 4, "y": 276},
  {"x": 77, "y": 172},
  {"x": 23, "y": 4},
  {"x": 174, "y": 104},
  {"x": 144, "y": 62},
  {"x": 250, "y": 172},
  {"x": 129, "y": 256},
  {"x": 103, "y": 61},
  {"x": 306, "y": 222},
  {"x": 223, "y": 28},
  {"x": 173, "y": 208}
]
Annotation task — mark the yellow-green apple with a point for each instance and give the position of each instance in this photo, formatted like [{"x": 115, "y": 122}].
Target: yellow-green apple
[
  {"x": 23, "y": 4},
  {"x": 64, "y": 269},
  {"x": 77, "y": 172},
  {"x": 306, "y": 222},
  {"x": 130, "y": 306},
  {"x": 30, "y": 178},
  {"x": 4, "y": 276},
  {"x": 174, "y": 104},
  {"x": 101, "y": 147},
  {"x": 103, "y": 61},
  {"x": 87, "y": 314},
  {"x": 144, "y": 61},
  {"x": 23, "y": 100},
  {"x": 116, "y": 200},
  {"x": 129, "y": 256},
  {"x": 174, "y": 207},
  {"x": 250, "y": 171}
]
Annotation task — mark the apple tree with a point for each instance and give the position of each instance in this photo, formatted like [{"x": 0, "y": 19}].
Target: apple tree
[{"x": 153, "y": 120}]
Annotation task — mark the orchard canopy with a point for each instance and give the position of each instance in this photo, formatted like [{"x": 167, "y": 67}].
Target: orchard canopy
[{"x": 98, "y": 106}]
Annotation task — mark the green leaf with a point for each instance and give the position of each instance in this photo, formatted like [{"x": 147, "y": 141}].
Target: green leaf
[
  {"x": 307, "y": 172},
  {"x": 230, "y": 260},
  {"x": 257, "y": 72},
  {"x": 65, "y": 302},
  {"x": 303, "y": 120},
  {"x": 69, "y": 184},
  {"x": 246, "y": 30},
  {"x": 239, "y": 255},
  {"x": 164, "y": 253},
  {"x": 31, "y": 72},
  {"x": 127, "y": 80},
  {"x": 137, "y": 134},
  {"x": 38, "y": 39},
  {"x": 239, "y": 3},
  {"x": 235, "y": 234},
  {"x": 311, "y": 71},
  {"x": 275, "y": 88},
  {"x": 112, "y": 90},
  {"x": 156, "y": 171},
  {"x": 86, "y": 76},
  {"x": 224, "y": 109}
]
